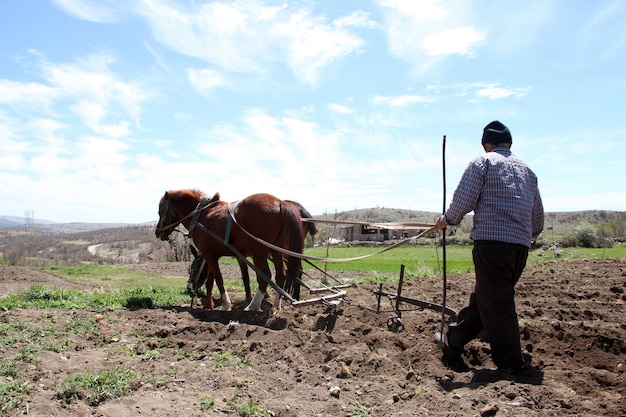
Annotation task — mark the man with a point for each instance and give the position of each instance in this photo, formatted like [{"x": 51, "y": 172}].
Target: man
[{"x": 508, "y": 214}]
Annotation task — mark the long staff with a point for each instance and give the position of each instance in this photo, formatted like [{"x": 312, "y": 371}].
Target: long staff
[{"x": 443, "y": 239}]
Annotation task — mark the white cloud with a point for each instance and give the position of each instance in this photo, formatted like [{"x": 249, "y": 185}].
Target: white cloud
[
  {"x": 495, "y": 92},
  {"x": 423, "y": 31},
  {"x": 248, "y": 36},
  {"x": 355, "y": 19},
  {"x": 27, "y": 93},
  {"x": 338, "y": 108},
  {"x": 418, "y": 9},
  {"x": 95, "y": 84},
  {"x": 100, "y": 11},
  {"x": 205, "y": 80},
  {"x": 459, "y": 41},
  {"x": 311, "y": 44},
  {"x": 403, "y": 100}
]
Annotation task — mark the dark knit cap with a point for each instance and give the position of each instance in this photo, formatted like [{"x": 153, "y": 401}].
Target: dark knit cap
[{"x": 495, "y": 132}]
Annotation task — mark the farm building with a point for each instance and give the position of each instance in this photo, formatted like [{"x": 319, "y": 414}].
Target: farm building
[{"x": 380, "y": 232}]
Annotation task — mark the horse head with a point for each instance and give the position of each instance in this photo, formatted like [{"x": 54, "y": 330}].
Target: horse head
[{"x": 167, "y": 218}]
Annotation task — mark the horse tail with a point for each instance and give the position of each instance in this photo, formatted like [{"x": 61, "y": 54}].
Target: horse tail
[
  {"x": 293, "y": 221},
  {"x": 309, "y": 227}
]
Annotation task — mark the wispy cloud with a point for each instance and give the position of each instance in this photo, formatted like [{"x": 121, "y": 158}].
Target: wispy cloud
[
  {"x": 99, "y": 11},
  {"x": 86, "y": 87},
  {"x": 459, "y": 41},
  {"x": 247, "y": 36},
  {"x": 339, "y": 108},
  {"x": 423, "y": 31},
  {"x": 478, "y": 91},
  {"x": 495, "y": 92},
  {"x": 403, "y": 100},
  {"x": 205, "y": 80}
]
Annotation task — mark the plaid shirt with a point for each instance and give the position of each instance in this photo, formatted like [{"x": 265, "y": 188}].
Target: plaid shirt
[{"x": 503, "y": 193}]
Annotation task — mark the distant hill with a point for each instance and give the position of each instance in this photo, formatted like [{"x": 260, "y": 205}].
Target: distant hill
[
  {"x": 555, "y": 222},
  {"x": 48, "y": 226},
  {"x": 558, "y": 222},
  {"x": 382, "y": 215},
  {"x": 14, "y": 222},
  {"x": 122, "y": 242}
]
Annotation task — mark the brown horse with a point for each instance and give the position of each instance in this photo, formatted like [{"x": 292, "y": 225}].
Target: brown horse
[
  {"x": 215, "y": 233},
  {"x": 198, "y": 277}
]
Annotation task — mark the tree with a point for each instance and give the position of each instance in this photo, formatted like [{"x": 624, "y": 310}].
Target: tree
[{"x": 29, "y": 218}]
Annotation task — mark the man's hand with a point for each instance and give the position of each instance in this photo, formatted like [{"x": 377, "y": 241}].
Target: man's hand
[{"x": 441, "y": 223}]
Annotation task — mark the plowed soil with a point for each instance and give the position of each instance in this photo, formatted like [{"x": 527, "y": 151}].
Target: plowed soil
[{"x": 343, "y": 360}]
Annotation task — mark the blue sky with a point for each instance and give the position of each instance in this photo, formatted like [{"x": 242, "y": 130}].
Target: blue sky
[{"x": 340, "y": 105}]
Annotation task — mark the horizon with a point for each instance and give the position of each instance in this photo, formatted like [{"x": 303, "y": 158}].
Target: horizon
[
  {"x": 53, "y": 222},
  {"x": 106, "y": 105}
]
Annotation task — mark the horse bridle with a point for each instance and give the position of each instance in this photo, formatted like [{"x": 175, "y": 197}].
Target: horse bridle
[
  {"x": 169, "y": 211},
  {"x": 168, "y": 214}
]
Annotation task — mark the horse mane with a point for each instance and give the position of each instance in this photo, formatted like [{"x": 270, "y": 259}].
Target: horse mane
[{"x": 194, "y": 193}]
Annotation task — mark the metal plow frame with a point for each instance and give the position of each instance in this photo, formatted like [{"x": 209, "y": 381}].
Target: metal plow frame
[{"x": 395, "y": 323}]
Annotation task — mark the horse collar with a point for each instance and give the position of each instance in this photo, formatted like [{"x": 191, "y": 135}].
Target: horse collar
[{"x": 204, "y": 202}]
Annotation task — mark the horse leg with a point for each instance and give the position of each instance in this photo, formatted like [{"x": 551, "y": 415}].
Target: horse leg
[
  {"x": 261, "y": 264},
  {"x": 280, "y": 277},
  {"x": 245, "y": 277},
  {"x": 216, "y": 274},
  {"x": 207, "y": 303}
]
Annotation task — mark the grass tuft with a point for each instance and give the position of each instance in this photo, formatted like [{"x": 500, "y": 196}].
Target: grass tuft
[{"x": 96, "y": 388}]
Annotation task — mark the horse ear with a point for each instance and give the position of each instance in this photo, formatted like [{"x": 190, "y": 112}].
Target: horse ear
[
  {"x": 216, "y": 197},
  {"x": 166, "y": 195}
]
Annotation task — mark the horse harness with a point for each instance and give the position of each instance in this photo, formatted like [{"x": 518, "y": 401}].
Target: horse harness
[{"x": 202, "y": 206}]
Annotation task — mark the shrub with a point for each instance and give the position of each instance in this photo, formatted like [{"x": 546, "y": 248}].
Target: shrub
[{"x": 585, "y": 234}]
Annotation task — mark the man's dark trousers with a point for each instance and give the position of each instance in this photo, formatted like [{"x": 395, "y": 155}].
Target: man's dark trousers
[{"x": 491, "y": 306}]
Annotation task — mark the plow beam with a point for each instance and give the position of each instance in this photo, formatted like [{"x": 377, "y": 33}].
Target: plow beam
[{"x": 420, "y": 303}]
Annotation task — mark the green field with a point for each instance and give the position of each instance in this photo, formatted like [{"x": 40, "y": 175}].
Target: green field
[
  {"x": 421, "y": 260},
  {"x": 124, "y": 288}
]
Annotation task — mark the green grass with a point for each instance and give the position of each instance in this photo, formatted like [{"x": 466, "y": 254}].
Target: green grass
[
  {"x": 418, "y": 260},
  {"x": 9, "y": 368},
  {"x": 207, "y": 403},
  {"x": 250, "y": 409},
  {"x": 424, "y": 260},
  {"x": 234, "y": 360},
  {"x": 95, "y": 388},
  {"x": 12, "y": 396},
  {"x": 39, "y": 297},
  {"x": 356, "y": 410},
  {"x": 110, "y": 276},
  {"x": 618, "y": 251}
]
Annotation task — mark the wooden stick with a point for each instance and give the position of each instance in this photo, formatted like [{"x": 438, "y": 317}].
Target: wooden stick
[
  {"x": 319, "y": 299},
  {"x": 329, "y": 289}
]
